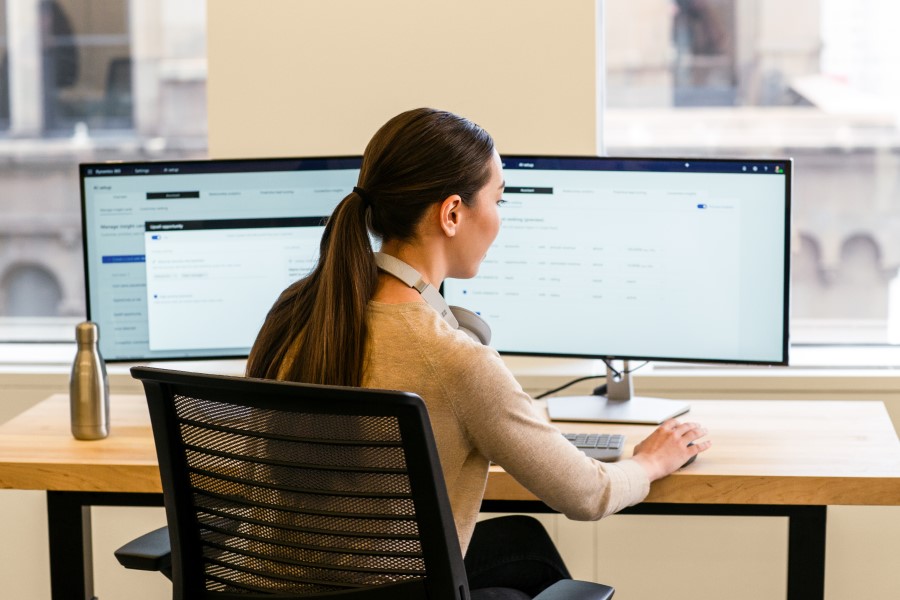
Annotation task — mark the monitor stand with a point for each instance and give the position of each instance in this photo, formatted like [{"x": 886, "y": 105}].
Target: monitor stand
[{"x": 620, "y": 405}]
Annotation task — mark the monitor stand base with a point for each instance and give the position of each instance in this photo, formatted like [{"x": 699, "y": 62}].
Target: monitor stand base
[
  {"x": 600, "y": 409},
  {"x": 620, "y": 405}
]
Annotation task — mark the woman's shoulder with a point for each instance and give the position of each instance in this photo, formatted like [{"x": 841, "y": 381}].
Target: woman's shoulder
[{"x": 419, "y": 324}]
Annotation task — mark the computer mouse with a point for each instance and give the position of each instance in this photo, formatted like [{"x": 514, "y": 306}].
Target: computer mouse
[{"x": 691, "y": 459}]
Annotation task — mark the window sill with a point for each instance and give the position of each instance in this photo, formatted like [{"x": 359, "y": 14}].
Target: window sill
[
  {"x": 827, "y": 373},
  {"x": 37, "y": 346},
  {"x": 865, "y": 359},
  {"x": 86, "y": 148}
]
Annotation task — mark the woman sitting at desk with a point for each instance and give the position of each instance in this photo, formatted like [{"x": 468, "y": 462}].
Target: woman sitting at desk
[{"x": 429, "y": 189}]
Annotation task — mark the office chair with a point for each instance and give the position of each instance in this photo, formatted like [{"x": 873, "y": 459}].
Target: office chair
[{"x": 301, "y": 491}]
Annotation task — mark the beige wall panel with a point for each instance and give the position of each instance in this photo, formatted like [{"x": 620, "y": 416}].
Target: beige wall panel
[
  {"x": 24, "y": 553},
  {"x": 318, "y": 77}
]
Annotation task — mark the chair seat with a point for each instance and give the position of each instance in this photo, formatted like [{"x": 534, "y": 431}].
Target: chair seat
[
  {"x": 498, "y": 594},
  {"x": 569, "y": 589}
]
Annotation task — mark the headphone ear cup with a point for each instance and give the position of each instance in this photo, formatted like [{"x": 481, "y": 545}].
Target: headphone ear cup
[{"x": 472, "y": 324}]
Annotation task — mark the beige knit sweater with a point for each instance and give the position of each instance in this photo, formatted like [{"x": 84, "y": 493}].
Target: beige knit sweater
[{"x": 480, "y": 414}]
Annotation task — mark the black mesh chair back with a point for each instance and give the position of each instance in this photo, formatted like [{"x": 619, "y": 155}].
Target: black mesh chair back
[{"x": 300, "y": 491}]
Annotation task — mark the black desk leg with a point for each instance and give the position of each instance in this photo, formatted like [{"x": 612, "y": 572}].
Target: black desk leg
[
  {"x": 71, "y": 556},
  {"x": 806, "y": 552}
]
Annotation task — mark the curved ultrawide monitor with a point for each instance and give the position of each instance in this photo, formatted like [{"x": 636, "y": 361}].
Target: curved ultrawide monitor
[
  {"x": 183, "y": 259},
  {"x": 639, "y": 258}
]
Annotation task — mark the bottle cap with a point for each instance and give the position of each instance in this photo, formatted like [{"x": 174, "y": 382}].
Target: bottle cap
[{"x": 86, "y": 332}]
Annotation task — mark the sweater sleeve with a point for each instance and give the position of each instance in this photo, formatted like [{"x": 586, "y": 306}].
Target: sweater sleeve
[{"x": 505, "y": 426}]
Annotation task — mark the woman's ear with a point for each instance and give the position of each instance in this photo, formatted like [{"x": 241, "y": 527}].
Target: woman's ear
[{"x": 450, "y": 214}]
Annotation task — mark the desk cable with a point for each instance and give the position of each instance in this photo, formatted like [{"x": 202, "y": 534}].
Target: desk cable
[{"x": 600, "y": 390}]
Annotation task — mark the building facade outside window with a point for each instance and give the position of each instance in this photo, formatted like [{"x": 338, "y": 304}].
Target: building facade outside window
[
  {"x": 85, "y": 81},
  {"x": 815, "y": 80}
]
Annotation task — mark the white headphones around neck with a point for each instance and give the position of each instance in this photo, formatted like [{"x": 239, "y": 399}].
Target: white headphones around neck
[{"x": 459, "y": 318}]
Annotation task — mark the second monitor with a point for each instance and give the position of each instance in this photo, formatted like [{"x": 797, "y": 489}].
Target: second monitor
[
  {"x": 637, "y": 259},
  {"x": 183, "y": 259}
]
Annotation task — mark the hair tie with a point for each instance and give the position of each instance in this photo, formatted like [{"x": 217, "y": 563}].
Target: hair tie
[{"x": 366, "y": 198}]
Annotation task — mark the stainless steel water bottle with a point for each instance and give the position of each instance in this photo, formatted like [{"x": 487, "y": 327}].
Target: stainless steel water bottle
[{"x": 88, "y": 387}]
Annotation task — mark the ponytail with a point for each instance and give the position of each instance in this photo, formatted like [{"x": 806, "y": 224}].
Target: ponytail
[{"x": 324, "y": 313}]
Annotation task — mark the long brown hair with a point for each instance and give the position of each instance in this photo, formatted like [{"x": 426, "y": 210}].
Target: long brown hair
[{"x": 316, "y": 331}]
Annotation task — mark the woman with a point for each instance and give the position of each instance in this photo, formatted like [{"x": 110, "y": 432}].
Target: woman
[{"x": 429, "y": 188}]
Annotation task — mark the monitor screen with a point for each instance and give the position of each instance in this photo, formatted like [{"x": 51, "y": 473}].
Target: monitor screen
[
  {"x": 636, "y": 258},
  {"x": 184, "y": 259}
]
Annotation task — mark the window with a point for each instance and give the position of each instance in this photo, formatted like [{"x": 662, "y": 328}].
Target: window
[
  {"x": 84, "y": 81},
  {"x": 704, "y": 71},
  {"x": 814, "y": 80},
  {"x": 29, "y": 291},
  {"x": 86, "y": 64},
  {"x": 4, "y": 70}
]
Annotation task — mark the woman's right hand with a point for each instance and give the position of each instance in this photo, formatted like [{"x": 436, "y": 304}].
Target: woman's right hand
[{"x": 669, "y": 447}]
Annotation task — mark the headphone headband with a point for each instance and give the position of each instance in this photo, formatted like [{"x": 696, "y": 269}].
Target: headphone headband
[
  {"x": 473, "y": 325},
  {"x": 412, "y": 278}
]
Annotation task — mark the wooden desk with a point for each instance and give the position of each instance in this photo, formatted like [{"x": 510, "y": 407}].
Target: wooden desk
[{"x": 770, "y": 458}]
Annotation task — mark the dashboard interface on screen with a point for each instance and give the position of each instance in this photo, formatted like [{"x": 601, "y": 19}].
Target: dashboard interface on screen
[
  {"x": 184, "y": 259},
  {"x": 638, "y": 259}
]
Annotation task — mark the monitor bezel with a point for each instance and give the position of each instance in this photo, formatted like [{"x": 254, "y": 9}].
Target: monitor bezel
[
  {"x": 786, "y": 163},
  {"x": 211, "y": 163}
]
